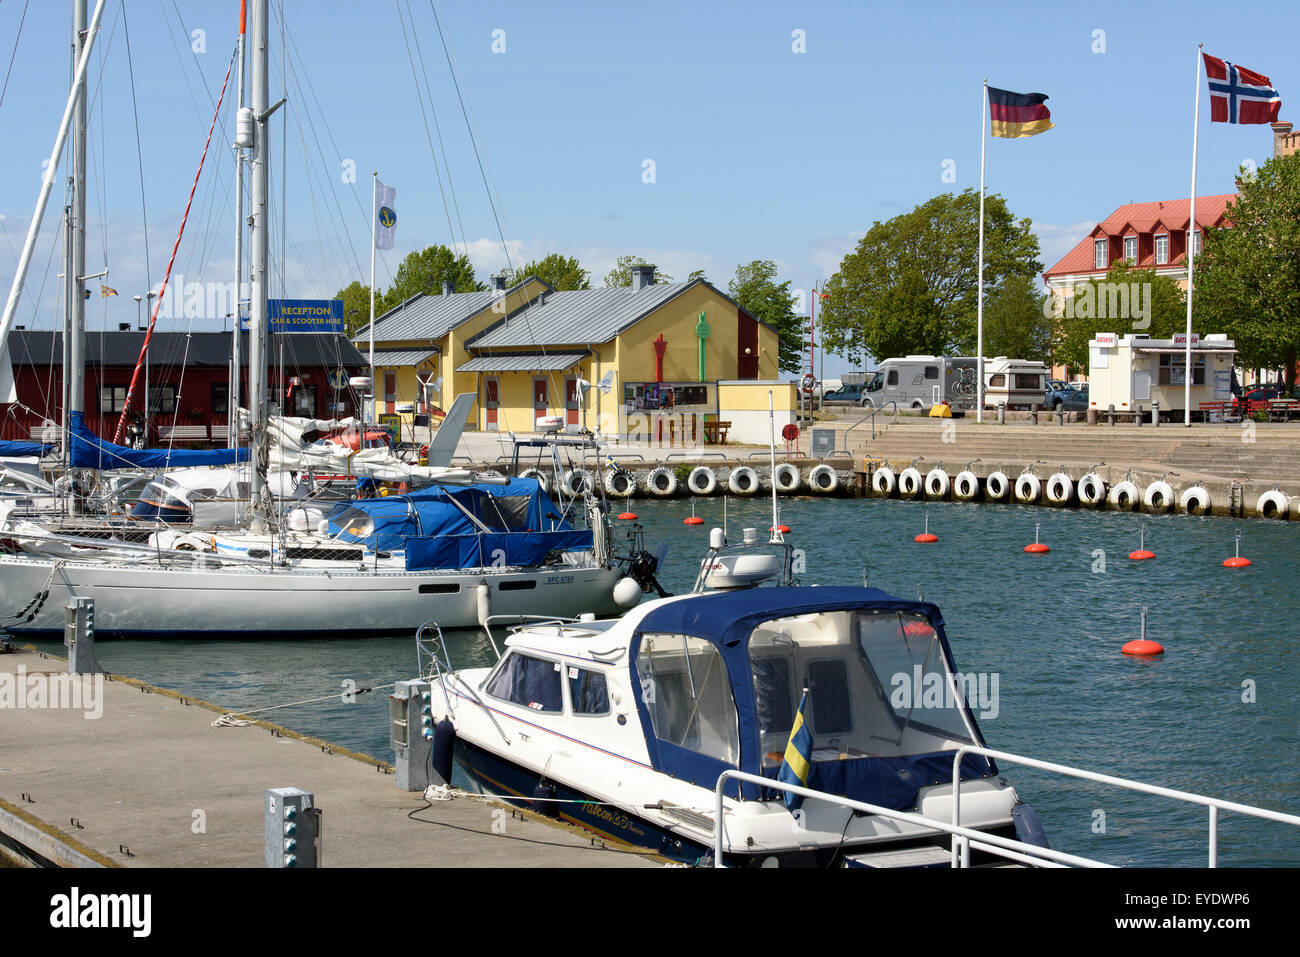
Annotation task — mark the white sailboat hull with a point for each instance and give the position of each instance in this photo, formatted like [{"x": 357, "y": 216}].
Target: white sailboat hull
[{"x": 139, "y": 601}]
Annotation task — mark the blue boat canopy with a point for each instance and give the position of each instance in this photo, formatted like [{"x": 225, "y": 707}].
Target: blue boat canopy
[{"x": 89, "y": 451}]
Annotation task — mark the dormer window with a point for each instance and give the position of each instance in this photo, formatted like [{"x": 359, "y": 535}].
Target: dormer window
[
  {"x": 1131, "y": 249},
  {"x": 1099, "y": 253},
  {"x": 1162, "y": 249}
]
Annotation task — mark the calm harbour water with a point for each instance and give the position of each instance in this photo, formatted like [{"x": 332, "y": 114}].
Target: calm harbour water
[{"x": 1049, "y": 626}]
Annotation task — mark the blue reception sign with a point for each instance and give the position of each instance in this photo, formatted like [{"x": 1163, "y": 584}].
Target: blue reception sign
[{"x": 305, "y": 315}]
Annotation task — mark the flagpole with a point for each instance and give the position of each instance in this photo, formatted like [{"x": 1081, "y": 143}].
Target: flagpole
[
  {"x": 979, "y": 308},
  {"x": 1191, "y": 252},
  {"x": 374, "y": 239}
]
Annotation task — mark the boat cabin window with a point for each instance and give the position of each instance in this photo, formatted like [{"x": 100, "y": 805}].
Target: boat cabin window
[
  {"x": 685, "y": 688},
  {"x": 531, "y": 682},
  {"x": 587, "y": 691},
  {"x": 828, "y": 695}
]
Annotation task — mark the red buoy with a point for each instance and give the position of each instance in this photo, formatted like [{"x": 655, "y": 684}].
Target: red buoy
[
  {"x": 926, "y": 537},
  {"x": 1143, "y": 646},
  {"x": 627, "y": 516},
  {"x": 1236, "y": 562},
  {"x": 783, "y": 529},
  {"x": 1036, "y": 548},
  {"x": 1142, "y": 554},
  {"x": 693, "y": 520}
]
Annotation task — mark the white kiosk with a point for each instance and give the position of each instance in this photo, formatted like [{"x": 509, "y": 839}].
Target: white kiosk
[{"x": 1134, "y": 372}]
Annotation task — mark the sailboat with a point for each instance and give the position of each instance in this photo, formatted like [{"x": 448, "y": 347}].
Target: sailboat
[{"x": 485, "y": 548}]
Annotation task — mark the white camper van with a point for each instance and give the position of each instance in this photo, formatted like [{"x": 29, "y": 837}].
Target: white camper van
[
  {"x": 1018, "y": 383},
  {"x": 919, "y": 382}
]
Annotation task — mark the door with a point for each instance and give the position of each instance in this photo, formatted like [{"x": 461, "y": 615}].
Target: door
[
  {"x": 540, "y": 397},
  {"x": 390, "y": 392},
  {"x": 1141, "y": 385},
  {"x": 492, "y": 401},
  {"x": 572, "y": 401}
]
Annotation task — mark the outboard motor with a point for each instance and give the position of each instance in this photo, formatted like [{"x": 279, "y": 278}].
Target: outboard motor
[{"x": 642, "y": 571}]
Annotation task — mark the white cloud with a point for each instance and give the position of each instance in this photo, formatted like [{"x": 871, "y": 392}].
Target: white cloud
[{"x": 1055, "y": 241}]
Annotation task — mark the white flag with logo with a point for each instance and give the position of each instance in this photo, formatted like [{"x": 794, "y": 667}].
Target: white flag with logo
[{"x": 385, "y": 215}]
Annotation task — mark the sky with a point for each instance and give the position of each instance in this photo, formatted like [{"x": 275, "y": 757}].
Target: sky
[{"x": 696, "y": 135}]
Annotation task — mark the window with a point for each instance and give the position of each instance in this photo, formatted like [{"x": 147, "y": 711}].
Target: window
[
  {"x": 1196, "y": 240},
  {"x": 220, "y": 398},
  {"x": 997, "y": 381},
  {"x": 162, "y": 399},
  {"x": 684, "y": 685},
  {"x": 932, "y": 372},
  {"x": 1131, "y": 249},
  {"x": 1028, "y": 380},
  {"x": 1162, "y": 249},
  {"x": 532, "y": 682},
  {"x": 304, "y": 401},
  {"x": 112, "y": 398},
  {"x": 892, "y": 378},
  {"x": 1100, "y": 252},
  {"x": 1173, "y": 370},
  {"x": 587, "y": 692}
]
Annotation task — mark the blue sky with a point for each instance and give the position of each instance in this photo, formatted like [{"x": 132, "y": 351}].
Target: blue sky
[{"x": 759, "y": 152}]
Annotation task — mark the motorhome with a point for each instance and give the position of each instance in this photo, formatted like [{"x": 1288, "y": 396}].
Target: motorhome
[
  {"x": 1015, "y": 383},
  {"x": 919, "y": 382}
]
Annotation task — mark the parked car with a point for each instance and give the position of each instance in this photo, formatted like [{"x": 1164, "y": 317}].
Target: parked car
[
  {"x": 1068, "y": 398},
  {"x": 845, "y": 393},
  {"x": 1259, "y": 394}
]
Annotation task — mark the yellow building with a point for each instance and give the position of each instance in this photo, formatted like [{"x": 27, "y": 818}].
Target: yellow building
[{"x": 634, "y": 361}]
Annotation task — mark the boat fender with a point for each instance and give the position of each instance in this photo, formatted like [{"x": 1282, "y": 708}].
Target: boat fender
[
  {"x": 1195, "y": 501},
  {"x": 1124, "y": 495},
  {"x": 1028, "y": 488},
  {"x": 996, "y": 486},
  {"x": 444, "y": 744},
  {"x": 661, "y": 482},
  {"x": 544, "y": 802},
  {"x": 702, "y": 481},
  {"x": 786, "y": 478},
  {"x": 1271, "y": 505},
  {"x": 577, "y": 481},
  {"x": 823, "y": 479},
  {"x": 619, "y": 482},
  {"x": 483, "y": 598},
  {"x": 965, "y": 486},
  {"x": 626, "y": 592},
  {"x": 743, "y": 481},
  {"x": 909, "y": 483},
  {"x": 1092, "y": 490},
  {"x": 1159, "y": 496},
  {"x": 1059, "y": 489},
  {"x": 883, "y": 482},
  {"x": 936, "y": 483},
  {"x": 1028, "y": 827},
  {"x": 535, "y": 474}
]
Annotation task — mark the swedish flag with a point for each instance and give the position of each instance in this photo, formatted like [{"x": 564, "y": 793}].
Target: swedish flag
[{"x": 798, "y": 756}]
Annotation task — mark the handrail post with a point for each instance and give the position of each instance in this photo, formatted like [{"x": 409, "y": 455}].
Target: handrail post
[
  {"x": 1214, "y": 836},
  {"x": 956, "y": 806}
]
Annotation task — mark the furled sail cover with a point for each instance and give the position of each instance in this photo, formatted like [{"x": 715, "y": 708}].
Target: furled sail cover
[
  {"x": 88, "y": 451},
  {"x": 337, "y": 447}
]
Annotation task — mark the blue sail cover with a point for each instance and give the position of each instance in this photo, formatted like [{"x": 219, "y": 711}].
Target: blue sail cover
[
  {"x": 88, "y": 451},
  {"x": 11, "y": 450},
  {"x": 727, "y": 620}
]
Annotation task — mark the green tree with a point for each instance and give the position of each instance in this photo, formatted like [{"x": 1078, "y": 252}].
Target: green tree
[
  {"x": 425, "y": 271},
  {"x": 755, "y": 289},
  {"x": 911, "y": 284},
  {"x": 356, "y": 306},
  {"x": 559, "y": 272},
  {"x": 697, "y": 274},
  {"x": 1014, "y": 322},
  {"x": 1247, "y": 282},
  {"x": 1126, "y": 300},
  {"x": 621, "y": 274}
]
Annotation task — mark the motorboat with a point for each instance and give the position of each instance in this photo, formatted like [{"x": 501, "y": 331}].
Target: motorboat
[{"x": 625, "y": 726}]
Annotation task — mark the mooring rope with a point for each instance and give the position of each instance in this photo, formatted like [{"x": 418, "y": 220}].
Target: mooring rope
[{"x": 231, "y": 719}]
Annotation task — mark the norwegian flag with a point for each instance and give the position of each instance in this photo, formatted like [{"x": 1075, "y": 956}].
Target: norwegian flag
[{"x": 1238, "y": 95}]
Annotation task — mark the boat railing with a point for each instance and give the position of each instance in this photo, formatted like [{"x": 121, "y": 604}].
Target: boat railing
[
  {"x": 1020, "y": 851},
  {"x": 429, "y": 647},
  {"x": 521, "y": 622},
  {"x": 961, "y": 845},
  {"x": 787, "y": 569}
]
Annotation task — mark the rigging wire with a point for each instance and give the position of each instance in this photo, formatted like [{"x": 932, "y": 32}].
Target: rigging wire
[{"x": 13, "y": 56}]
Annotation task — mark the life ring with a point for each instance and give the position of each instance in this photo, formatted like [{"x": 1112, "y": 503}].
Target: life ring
[
  {"x": 909, "y": 482},
  {"x": 661, "y": 482},
  {"x": 1272, "y": 504},
  {"x": 619, "y": 483},
  {"x": 965, "y": 486},
  {"x": 883, "y": 481},
  {"x": 936, "y": 483},
  {"x": 577, "y": 481},
  {"x": 823, "y": 479},
  {"x": 702, "y": 481},
  {"x": 786, "y": 478},
  {"x": 1092, "y": 490},
  {"x": 996, "y": 486},
  {"x": 1124, "y": 495},
  {"x": 743, "y": 481},
  {"x": 1195, "y": 501},
  {"x": 1159, "y": 496},
  {"x": 1028, "y": 488},
  {"x": 1059, "y": 489},
  {"x": 807, "y": 383},
  {"x": 535, "y": 474}
]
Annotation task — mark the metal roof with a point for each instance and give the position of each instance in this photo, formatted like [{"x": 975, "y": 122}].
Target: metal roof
[
  {"x": 390, "y": 358},
  {"x": 426, "y": 316},
  {"x": 523, "y": 362},
  {"x": 122, "y": 348},
  {"x": 577, "y": 316}
]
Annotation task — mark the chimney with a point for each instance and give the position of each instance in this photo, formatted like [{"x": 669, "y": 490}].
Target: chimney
[
  {"x": 448, "y": 287},
  {"x": 124, "y": 327},
  {"x": 499, "y": 283},
  {"x": 642, "y": 276},
  {"x": 1284, "y": 141}
]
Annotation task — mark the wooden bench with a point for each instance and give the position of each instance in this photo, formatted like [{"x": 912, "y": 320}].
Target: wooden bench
[
  {"x": 715, "y": 433},
  {"x": 183, "y": 433},
  {"x": 1283, "y": 408},
  {"x": 1222, "y": 407}
]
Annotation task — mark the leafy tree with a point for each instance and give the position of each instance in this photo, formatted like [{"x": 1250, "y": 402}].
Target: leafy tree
[
  {"x": 560, "y": 272},
  {"x": 1247, "y": 281},
  {"x": 356, "y": 306},
  {"x": 425, "y": 271},
  {"x": 621, "y": 274},
  {"x": 911, "y": 284},
  {"x": 1126, "y": 300},
  {"x": 697, "y": 274},
  {"x": 755, "y": 289},
  {"x": 1014, "y": 322}
]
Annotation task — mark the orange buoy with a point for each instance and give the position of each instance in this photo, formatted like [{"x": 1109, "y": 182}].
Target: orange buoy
[
  {"x": 693, "y": 520},
  {"x": 1143, "y": 646},
  {"x": 927, "y": 536},
  {"x": 783, "y": 529},
  {"x": 1142, "y": 554},
  {"x": 1036, "y": 547},
  {"x": 1236, "y": 561},
  {"x": 627, "y": 516}
]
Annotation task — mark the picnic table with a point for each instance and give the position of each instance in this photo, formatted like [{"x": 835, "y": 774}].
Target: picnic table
[
  {"x": 1283, "y": 408},
  {"x": 715, "y": 432}
]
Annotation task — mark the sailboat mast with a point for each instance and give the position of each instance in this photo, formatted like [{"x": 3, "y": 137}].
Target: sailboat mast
[
  {"x": 75, "y": 371},
  {"x": 259, "y": 275},
  {"x": 236, "y": 368}
]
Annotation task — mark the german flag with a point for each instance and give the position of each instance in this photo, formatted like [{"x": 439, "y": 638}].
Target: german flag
[{"x": 1018, "y": 114}]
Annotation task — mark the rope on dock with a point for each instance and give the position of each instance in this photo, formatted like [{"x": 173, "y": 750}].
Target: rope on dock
[{"x": 231, "y": 719}]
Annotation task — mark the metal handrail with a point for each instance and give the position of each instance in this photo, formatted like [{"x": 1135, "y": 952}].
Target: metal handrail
[
  {"x": 696, "y": 454},
  {"x": 1004, "y": 846},
  {"x": 1214, "y": 804},
  {"x": 872, "y": 417}
]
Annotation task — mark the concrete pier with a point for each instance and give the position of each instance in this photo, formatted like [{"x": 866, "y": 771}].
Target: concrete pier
[{"x": 151, "y": 783}]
